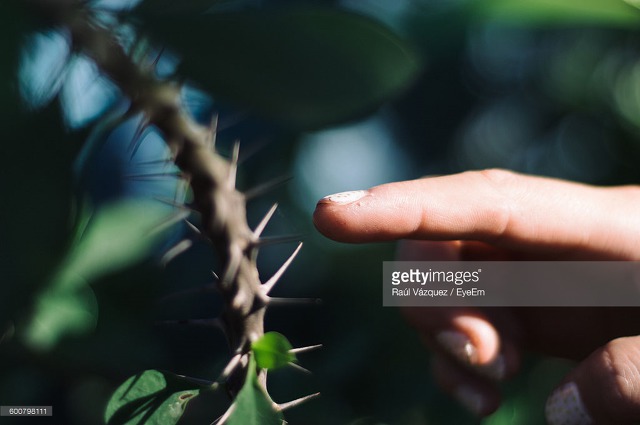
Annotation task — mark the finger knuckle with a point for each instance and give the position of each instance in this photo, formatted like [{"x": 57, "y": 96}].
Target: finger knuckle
[
  {"x": 621, "y": 378},
  {"x": 498, "y": 176},
  {"x": 500, "y": 212}
]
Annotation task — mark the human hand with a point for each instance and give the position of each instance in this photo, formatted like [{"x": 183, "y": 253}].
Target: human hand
[{"x": 495, "y": 214}]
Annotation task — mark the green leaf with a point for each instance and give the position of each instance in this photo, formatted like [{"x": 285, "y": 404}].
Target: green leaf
[
  {"x": 272, "y": 351},
  {"x": 305, "y": 68},
  {"x": 559, "y": 12},
  {"x": 252, "y": 405},
  {"x": 115, "y": 237},
  {"x": 634, "y": 3},
  {"x": 152, "y": 398},
  {"x": 60, "y": 313}
]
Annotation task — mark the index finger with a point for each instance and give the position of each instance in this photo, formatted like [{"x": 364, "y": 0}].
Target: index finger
[{"x": 495, "y": 206}]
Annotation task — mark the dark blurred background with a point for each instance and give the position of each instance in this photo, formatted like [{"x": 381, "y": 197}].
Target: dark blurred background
[{"x": 552, "y": 91}]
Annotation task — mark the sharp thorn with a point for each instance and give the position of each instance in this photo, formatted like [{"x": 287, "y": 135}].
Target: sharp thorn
[
  {"x": 157, "y": 58},
  {"x": 182, "y": 188},
  {"x": 170, "y": 221},
  {"x": 275, "y": 240},
  {"x": 215, "y": 275},
  {"x": 300, "y": 368},
  {"x": 263, "y": 376},
  {"x": 225, "y": 416},
  {"x": 305, "y": 349},
  {"x": 172, "y": 202},
  {"x": 137, "y": 139},
  {"x": 261, "y": 189},
  {"x": 213, "y": 131},
  {"x": 285, "y": 406},
  {"x": 269, "y": 284},
  {"x": 263, "y": 223},
  {"x": 256, "y": 146},
  {"x": 152, "y": 176},
  {"x": 165, "y": 161},
  {"x": 173, "y": 143},
  {"x": 193, "y": 227},
  {"x": 230, "y": 367},
  {"x": 233, "y": 168},
  {"x": 199, "y": 380},
  {"x": 172, "y": 253},
  {"x": 279, "y": 302},
  {"x": 230, "y": 120}
]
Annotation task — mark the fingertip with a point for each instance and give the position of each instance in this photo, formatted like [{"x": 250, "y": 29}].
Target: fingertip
[
  {"x": 333, "y": 215},
  {"x": 328, "y": 222},
  {"x": 481, "y": 334},
  {"x": 467, "y": 336}
]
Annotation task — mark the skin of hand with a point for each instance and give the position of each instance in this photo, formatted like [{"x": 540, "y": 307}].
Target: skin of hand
[{"x": 501, "y": 215}]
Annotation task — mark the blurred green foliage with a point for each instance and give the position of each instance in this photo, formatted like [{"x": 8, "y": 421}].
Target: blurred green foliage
[
  {"x": 306, "y": 68},
  {"x": 562, "y": 13},
  {"x": 113, "y": 238}
]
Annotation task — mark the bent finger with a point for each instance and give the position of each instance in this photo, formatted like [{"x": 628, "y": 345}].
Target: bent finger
[
  {"x": 464, "y": 333},
  {"x": 603, "y": 389},
  {"x": 480, "y": 397}
]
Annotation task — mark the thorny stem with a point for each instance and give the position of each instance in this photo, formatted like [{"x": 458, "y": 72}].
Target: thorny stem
[{"x": 221, "y": 206}]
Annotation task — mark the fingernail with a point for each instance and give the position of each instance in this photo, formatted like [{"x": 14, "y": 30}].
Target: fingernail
[
  {"x": 565, "y": 407},
  {"x": 470, "y": 399},
  {"x": 344, "y": 197},
  {"x": 457, "y": 345},
  {"x": 496, "y": 370}
]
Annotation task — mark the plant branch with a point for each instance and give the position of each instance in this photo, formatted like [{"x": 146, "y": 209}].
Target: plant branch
[{"x": 211, "y": 176}]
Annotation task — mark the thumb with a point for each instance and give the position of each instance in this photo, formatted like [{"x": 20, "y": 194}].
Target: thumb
[{"x": 603, "y": 389}]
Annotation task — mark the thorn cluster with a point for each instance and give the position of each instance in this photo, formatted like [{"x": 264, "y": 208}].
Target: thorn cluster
[{"x": 212, "y": 180}]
